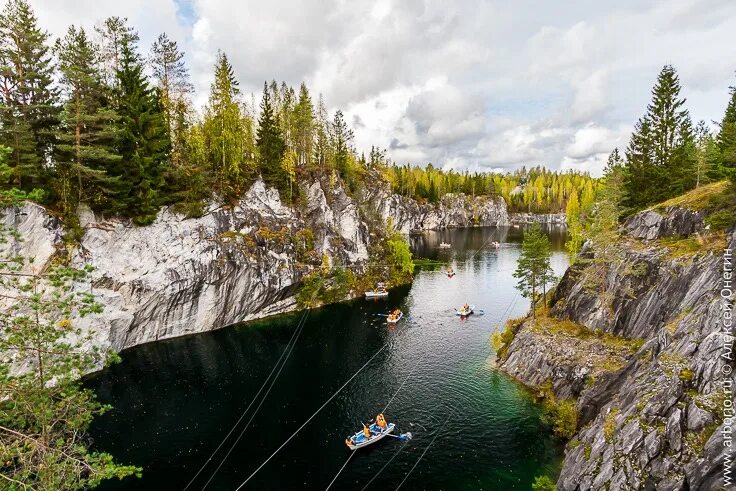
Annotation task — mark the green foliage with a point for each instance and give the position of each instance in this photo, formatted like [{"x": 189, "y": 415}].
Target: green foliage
[
  {"x": 144, "y": 143},
  {"x": 543, "y": 483},
  {"x": 609, "y": 424},
  {"x": 502, "y": 340},
  {"x": 661, "y": 159},
  {"x": 561, "y": 415},
  {"x": 44, "y": 411},
  {"x": 533, "y": 268},
  {"x": 399, "y": 258},
  {"x": 28, "y": 101},
  {"x": 535, "y": 190},
  {"x": 271, "y": 146},
  {"x": 727, "y": 139}
]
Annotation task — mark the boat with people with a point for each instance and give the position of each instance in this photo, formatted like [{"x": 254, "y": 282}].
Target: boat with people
[
  {"x": 370, "y": 434},
  {"x": 378, "y": 291},
  {"x": 496, "y": 244},
  {"x": 445, "y": 245},
  {"x": 394, "y": 316},
  {"x": 465, "y": 310}
]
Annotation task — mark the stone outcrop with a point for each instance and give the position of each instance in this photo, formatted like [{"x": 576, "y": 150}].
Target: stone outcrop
[
  {"x": 543, "y": 218},
  {"x": 181, "y": 275},
  {"x": 651, "y": 416},
  {"x": 453, "y": 210}
]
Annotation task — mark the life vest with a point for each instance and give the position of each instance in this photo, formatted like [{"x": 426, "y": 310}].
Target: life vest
[{"x": 366, "y": 431}]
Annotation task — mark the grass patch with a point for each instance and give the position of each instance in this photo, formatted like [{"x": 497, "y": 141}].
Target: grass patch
[
  {"x": 552, "y": 325},
  {"x": 690, "y": 246},
  {"x": 701, "y": 198},
  {"x": 562, "y": 415},
  {"x": 543, "y": 483},
  {"x": 609, "y": 424},
  {"x": 501, "y": 340}
]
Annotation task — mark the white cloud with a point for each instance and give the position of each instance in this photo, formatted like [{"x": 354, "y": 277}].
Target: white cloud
[{"x": 468, "y": 84}]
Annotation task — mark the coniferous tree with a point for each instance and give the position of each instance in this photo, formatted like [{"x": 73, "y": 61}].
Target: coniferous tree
[
  {"x": 727, "y": 139},
  {"x": 172, "y": 79},
  {"x": 270, "y": 144},
  {"x": 533, "y": 268},
  {"x": 114, "y": 34},
  {"x": 144, "y": 142},
  {"x": 28, "y": 110},
  {"x": 86, "y": 149},
  {"x": 224, "y": 134},
  {"x": 340, "y": 141},
  {"x": 304, "y": 128},
  {"x": 661, "y": 160},
  {"x": 321, "y": 138}
]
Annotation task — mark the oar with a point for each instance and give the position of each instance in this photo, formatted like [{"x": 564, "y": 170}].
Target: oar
[{"x": 403, "y": 437}]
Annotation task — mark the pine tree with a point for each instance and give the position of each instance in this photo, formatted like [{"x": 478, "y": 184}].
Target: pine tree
[
  {"x": 270, "y": 144},
  {"x": 28, "y": 110},
  {"x": 727, "y": 139},
  {"x": 225, "y": 134},
  {"x": 533, "y": 268},
  {"x": 172, "y": 80},
  {"x": 321, "y": 138},
  {"x": 88, "y": 132},
  {"x": 661, "y": 159},
  {"x": 114, "y": 35},
  {"x": 144, "y": 142}
]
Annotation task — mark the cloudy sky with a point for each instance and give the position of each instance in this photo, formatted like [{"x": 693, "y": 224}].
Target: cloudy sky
[{"x": 465, "y": 84}]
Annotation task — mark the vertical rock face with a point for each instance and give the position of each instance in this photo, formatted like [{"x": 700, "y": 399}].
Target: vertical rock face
[
  {"x": 179, "y": 276},
  {"x": 453, "y": 210},
  {"x": 651, "y": 417}
]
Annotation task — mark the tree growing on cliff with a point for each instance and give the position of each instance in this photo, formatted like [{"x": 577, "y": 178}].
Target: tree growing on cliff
[
  {"x": 271, "y": 146},
  {"x": 28, "y": 98},
  {"x": 533, "y": 268},
  {"x": 44, "y": 411},
  {"x": 87, "y": 136},
  {"x": 661, "y": 160},
  {"x": 727, "y": 139}
]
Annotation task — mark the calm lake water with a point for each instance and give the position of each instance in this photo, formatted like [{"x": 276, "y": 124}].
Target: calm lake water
[{"x": 175, "y": 400}]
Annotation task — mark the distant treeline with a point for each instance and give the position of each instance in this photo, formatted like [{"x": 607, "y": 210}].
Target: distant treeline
[{"x": 537, "y": 190}]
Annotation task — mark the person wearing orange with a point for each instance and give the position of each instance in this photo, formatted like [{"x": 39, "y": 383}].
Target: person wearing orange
[
  {"x": 381, "y": 421},
  {"x": 366, "y": 431}
]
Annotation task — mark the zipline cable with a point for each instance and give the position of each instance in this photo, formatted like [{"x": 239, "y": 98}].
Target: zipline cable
[
  {"x": 384, "y": 466},
  {"x": 340, "y": 471},
  {"x": 425, "y": 450},
  {"x": 265, "y": 382},
  {"x": 313, "y": 415},
  {"x": 263, "y": 399}
]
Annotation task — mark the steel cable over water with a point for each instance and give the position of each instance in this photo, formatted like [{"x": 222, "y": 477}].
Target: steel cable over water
[
  {"x": 289, "y": 345},
  {"x": 314, "y": 414},
  {"x": 425, "y": 450},
  {"x": 263, "y": 399}
]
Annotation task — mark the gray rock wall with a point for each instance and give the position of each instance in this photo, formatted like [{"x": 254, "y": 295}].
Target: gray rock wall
[{"x": 653, "y": 420}]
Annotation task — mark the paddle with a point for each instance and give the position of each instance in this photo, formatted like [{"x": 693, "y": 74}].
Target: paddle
[{"x": 404, "y": 437}]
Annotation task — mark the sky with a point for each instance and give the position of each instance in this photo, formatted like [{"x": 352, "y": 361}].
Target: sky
[{"x": 465, "y": 85}]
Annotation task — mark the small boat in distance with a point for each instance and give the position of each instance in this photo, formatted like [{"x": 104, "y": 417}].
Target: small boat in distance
[
  {"x": 378, "y": 291},
  {"x": 394, "y": 316},
  {"x": 496, "y": 244},
  {"x": 369, "y": 434},
  {"x": 465, "y": 310},
  {"x": 445, "y": 245}
]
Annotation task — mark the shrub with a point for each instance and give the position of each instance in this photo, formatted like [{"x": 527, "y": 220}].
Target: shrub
[
  {"x": 543, "y": 483},
  {"x": 609, "y": 425},
  {"x": 563, "y": 416}
]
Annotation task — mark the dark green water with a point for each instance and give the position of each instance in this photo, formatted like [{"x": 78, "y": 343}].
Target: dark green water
[{"x": 175, "y": 400}]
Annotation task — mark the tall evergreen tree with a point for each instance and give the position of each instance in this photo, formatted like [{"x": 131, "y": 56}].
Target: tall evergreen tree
[
  {"x": 144, "y": 141},
  {"x": 28, "y": 99},
  {"x": 172, "y": 79},
  {"x": 661, "y": 159},
  {"x": 88, "y": 133},
  {"x": 114, "y": 34},
  {"x": 321, "y": 138},
  {"x": 341, "y": 137},
  {"x": 270, "y": 144},
  {"x": 533, "y": 268},
  {"x": 304, "y": 128},
  {"x": 224, "y": 133},
  {"x": 727, "y": 138}
]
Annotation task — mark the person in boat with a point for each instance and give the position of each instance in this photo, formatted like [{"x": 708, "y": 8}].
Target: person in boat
[
  {"x": 381, "y": 421},
  {"x": 366, "y": 431}
]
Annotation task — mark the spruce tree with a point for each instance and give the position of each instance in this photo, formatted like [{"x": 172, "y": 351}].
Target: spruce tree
[
  {"x": 114, "y": 34},
  {"x": 144, "y": 142},
  {"x": 270, "y": 143},
  {"x": 661, "y": 160},
  {"x": 224, "y": 131},
  {"x": 340, "y": 141},
  {"x": 28, "y": 99},
  {"x": 727, "y": 139},
  {"x": 88, "y": 132}
]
